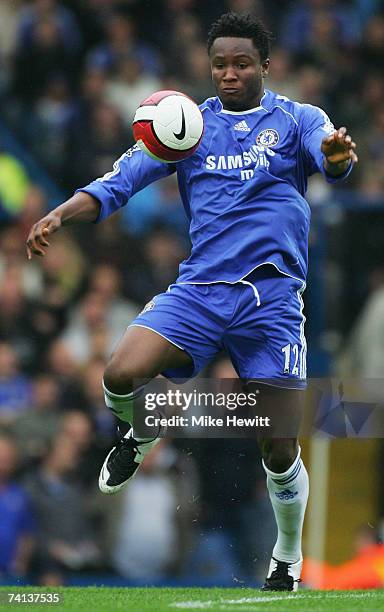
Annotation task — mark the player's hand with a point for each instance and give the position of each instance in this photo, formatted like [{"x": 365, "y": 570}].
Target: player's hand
[
  {"x": 339, "y": 147},
  {"x": 37, "y": 240}
]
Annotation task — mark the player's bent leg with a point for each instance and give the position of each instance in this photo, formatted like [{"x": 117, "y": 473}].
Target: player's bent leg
[
  {"x": 287, "y": 483},
  {"x": 142, "y": 354}
]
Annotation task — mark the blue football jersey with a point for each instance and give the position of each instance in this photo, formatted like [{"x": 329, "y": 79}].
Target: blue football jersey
[{"x": 243, "y": 190}]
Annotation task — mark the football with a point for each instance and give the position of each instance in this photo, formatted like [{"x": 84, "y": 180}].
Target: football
[{"x": 168, "y": 126}]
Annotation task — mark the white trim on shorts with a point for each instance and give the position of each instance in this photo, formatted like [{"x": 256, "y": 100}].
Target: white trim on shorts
[
  {"x": 159, "y": 333},
  {"x": 303, "y": 352},
  {"x": 260, "y": 381}
]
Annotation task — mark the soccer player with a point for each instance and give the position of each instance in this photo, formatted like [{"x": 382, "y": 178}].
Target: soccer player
[{"x": 241, "y": 287}]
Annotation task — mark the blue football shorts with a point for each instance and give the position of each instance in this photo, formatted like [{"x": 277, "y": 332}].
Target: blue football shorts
[{"x": 259, "y": 321}]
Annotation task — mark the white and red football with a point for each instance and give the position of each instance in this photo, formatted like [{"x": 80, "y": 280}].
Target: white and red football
[{"x": 168, "y": 126}]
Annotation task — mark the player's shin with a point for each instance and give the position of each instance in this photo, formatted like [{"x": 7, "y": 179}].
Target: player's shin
[{"x": 288, "y": 492}]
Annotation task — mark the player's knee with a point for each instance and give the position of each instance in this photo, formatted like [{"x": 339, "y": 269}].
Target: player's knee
[
  {"x": 279, "y": 455},
  {"x": 118, "y": 378}
]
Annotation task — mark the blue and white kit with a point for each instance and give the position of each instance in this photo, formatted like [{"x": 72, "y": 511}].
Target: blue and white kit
[{"x": 243, "y": 192}]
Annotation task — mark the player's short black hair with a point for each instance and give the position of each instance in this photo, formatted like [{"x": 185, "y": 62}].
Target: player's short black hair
[{"x": 241, "y": 26}]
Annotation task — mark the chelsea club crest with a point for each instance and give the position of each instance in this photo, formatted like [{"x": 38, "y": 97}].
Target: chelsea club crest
[
  {"x": 268, "y": 138},
  {"x": 149, "y": 306}
]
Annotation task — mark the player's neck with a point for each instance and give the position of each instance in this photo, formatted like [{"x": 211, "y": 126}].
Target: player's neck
[{"x": 247, "y": 106}]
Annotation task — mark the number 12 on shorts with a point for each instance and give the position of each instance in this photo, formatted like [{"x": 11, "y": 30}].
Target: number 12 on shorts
[{"x": 288, "y": 349}]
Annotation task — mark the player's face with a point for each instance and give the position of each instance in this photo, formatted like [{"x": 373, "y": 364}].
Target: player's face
[{"x": 237, "y": 73}]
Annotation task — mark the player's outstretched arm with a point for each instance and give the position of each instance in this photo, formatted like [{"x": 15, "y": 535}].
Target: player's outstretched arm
[
  {"x": 338, "y": 150},
  {"x": 80, "y": 208}
]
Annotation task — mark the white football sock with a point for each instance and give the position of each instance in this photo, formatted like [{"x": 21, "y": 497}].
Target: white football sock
[
  {"x": 122, "y": 405},
  {"x": 288, "y": 493}
]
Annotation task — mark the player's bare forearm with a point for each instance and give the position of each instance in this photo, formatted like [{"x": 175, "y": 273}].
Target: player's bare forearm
[
  {"x": 80, "y": 208},
  {"x": 339, "y": 152}
]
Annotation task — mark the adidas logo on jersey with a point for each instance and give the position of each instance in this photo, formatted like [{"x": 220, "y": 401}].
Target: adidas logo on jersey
[
  {"x": 242, "y": 127},
  {"x": 286, "y": 495}
]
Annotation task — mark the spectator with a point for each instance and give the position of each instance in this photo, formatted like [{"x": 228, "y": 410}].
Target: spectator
[
  {"x": 79, "y": 427},
  {"x": 64, "y": 20},
  {"x": 198, "y": 74},
  {"x": 17, "y": 526},
  {"x": 13, "y": 312},
  {"x": 100, "y": 321},
  {"x": 156, "y": 542},
  {"x": 14, "y": 264},
  {"x": 88, "y": 334},
  {"x": 64, "y": 271},
  {"x": 61, "y": 364},
  {"x": 46, "y": 53},
  {"x": 279, "y": 78},
  {"x": 129, "y": 86},
  {"x": 35, "y": 428},
  {"x": 122, "y": 42},
  {"x": 92, "y": 87},
  {"x": 372, "y": 47},
  {"x": 50, "y": 124},
  {"x": 310, "y": 84},
  {"x": 19, "y": 313},
  {"x": 303, "y": 16},
  {"x": 64, "y": 541},
  {"x": 109, "y": 241},
  {"x": 159, "y": 204},
  {"x": 106, "y": 281},
  {"x": 163, "y": 252},
  {"x": 185, "y": 34},
  {"x": 15, "y": 387},
  {"x": 107, "y": 139}
]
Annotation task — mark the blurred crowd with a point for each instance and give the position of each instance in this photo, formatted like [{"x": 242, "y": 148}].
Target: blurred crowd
[
  {"x": 72, "y": 72},
  {"x": 71, "y": 76}
]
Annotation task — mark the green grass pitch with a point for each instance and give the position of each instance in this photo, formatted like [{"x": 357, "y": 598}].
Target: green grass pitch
[{"x": 179, "y": 599}]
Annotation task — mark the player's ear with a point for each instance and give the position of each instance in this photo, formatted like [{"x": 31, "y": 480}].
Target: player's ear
[{"x": 265, "y": 68}]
